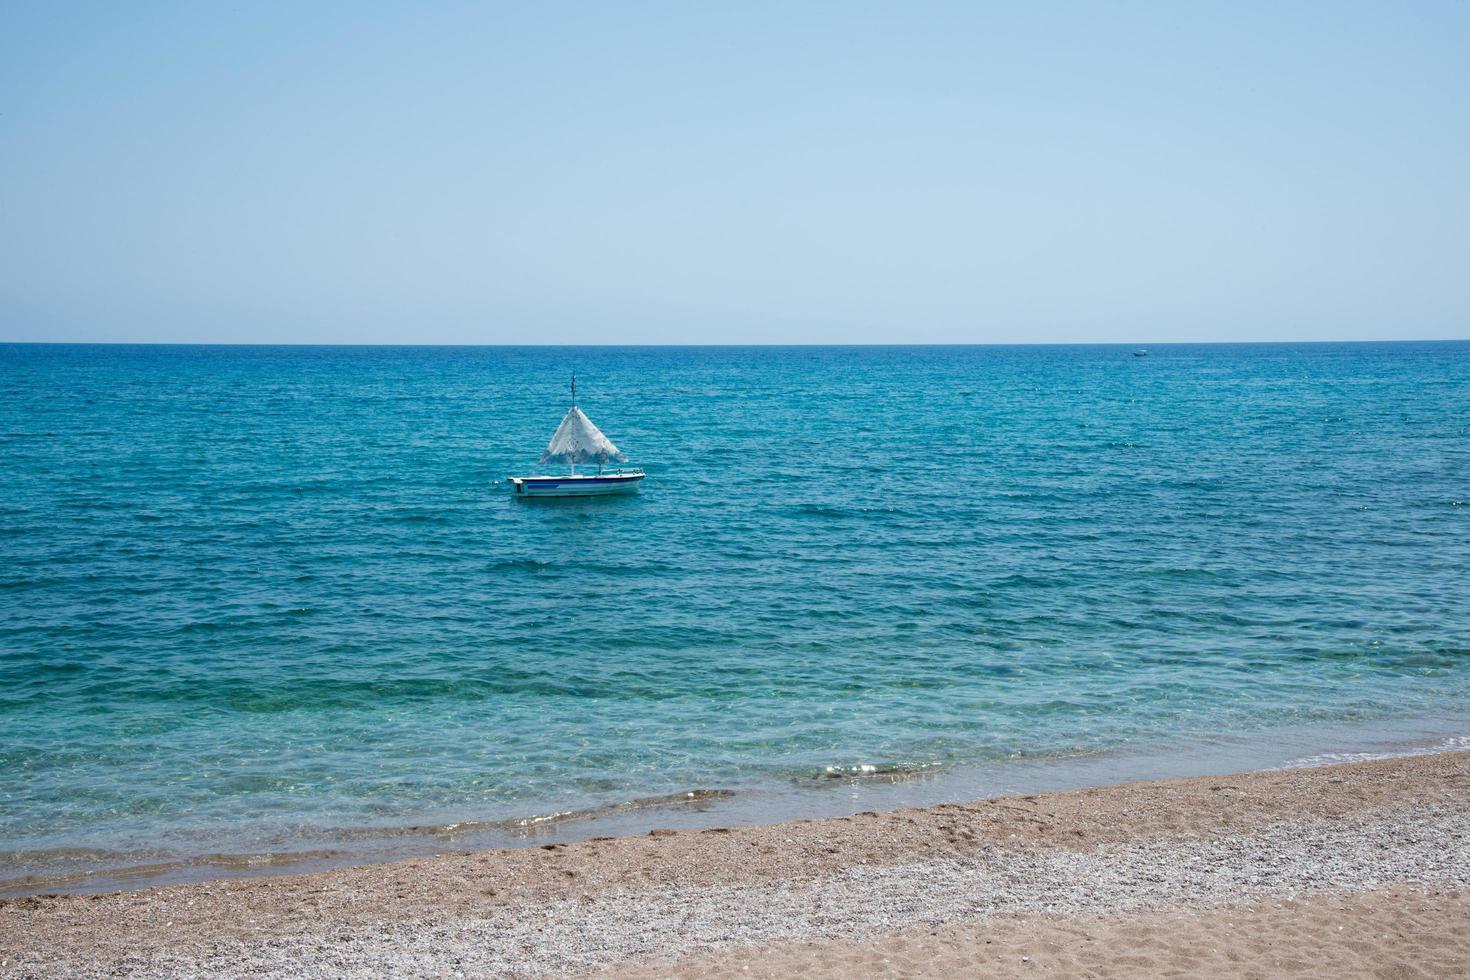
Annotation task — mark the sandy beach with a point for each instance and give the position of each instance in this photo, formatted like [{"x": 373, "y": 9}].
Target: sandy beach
[{"x": 1353, "y": 869}]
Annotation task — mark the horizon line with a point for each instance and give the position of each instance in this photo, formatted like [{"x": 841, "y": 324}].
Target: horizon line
[{"x": 1018, "y": 343}]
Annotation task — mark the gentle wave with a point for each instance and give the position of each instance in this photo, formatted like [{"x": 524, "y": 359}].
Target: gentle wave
[
  {"x": 535, "y": 823},
  {"x": 1458, "y": 744},
  {"x": 116, "y": 868},
  {"x": 869, "y": 772}
]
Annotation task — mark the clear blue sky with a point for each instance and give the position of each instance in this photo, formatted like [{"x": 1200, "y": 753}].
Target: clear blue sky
[{"x": 728, "y": 173}]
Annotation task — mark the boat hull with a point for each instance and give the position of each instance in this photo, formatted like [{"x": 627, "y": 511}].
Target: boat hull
[{"x": 575, "y": 486}]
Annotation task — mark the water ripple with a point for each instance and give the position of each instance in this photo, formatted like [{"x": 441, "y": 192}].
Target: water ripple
[{"x": 251, "y": 590}]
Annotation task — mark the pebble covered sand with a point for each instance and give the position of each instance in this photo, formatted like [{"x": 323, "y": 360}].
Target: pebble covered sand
[{"x": 844, "y": 892}]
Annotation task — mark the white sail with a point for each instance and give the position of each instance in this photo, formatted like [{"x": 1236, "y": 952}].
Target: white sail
[{"x": 577, "y": 440}]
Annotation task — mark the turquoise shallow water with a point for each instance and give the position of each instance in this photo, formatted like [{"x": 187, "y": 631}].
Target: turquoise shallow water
[{"x": 255, "y": 598}]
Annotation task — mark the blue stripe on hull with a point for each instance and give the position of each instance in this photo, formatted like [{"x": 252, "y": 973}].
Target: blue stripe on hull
[
  {"x": 580, "y": 487},
  {"x": 580, "y": 481}
]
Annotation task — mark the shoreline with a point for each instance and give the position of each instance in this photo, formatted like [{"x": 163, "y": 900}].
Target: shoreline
[
  {"x": 834, "y": 794},
  {"x": 1262, "y": 840}
]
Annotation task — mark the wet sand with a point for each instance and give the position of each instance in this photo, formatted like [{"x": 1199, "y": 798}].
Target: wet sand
[{"x": 1359, "y": 868}]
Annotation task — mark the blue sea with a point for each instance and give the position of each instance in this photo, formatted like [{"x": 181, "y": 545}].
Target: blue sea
[{"x": 273, "y": 607}]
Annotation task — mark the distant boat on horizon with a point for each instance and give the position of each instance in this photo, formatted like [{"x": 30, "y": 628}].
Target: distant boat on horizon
[
  {"x": 578, "y": 442},
  {"x": 1141, "y": 352}
]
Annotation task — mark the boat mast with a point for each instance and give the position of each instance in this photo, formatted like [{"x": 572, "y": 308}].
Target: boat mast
[{"x": 574, "y": 405}]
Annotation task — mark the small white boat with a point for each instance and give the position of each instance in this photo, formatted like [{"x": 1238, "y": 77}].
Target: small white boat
[{"x": 577, "y": 442}]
